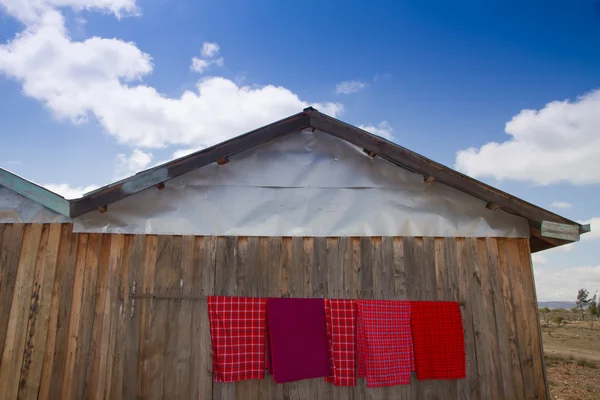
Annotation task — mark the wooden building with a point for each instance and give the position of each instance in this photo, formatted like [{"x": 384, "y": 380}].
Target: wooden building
[{"x": 104, "y": 297}]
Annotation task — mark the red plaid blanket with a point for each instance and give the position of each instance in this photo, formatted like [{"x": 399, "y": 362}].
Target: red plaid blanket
[
  {"x": 385, "y": 348},
  {"x": 341, "y": 334},
  {"x": 237, "y": 332},
  {"x": 439, "y": 340}
]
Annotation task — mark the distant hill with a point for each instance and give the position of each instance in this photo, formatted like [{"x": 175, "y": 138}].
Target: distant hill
[{"x": 556, "y": 304}]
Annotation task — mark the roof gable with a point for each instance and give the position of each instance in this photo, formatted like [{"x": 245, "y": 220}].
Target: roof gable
[{"x": 308, "y": 118}]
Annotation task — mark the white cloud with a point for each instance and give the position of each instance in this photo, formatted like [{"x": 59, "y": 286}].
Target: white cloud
[
  {"x": 384, "y": 129},
  {"x": 595, "y": 232},
  {"x": 539, "y": 259},
  {"x": 561, "y": 204},
  {"x": 68, "y": 191},
  {"x": 135, "y": 162},
  {"x": 30, "y": 12},
  {"x": 100, "y": 78},
  {"x": 559, "y": 143},
  {"x": 210, "y": 49},
  {"x": 348, "y": 87},
  {"x": 200, "y": 65},
  {"x": 563, "y": 283}
]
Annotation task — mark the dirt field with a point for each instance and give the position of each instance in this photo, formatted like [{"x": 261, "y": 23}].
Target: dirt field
[{"x": 573, "y": 360}]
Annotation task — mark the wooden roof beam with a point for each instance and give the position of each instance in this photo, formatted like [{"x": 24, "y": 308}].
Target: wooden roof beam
[
  {"x": 492, "y": 206},
  {"x": 418, "y": 163},
  {"x": 146, "y": 179}
]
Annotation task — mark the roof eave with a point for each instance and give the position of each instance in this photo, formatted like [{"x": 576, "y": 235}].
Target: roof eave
[{"x": 35, "y": 192}]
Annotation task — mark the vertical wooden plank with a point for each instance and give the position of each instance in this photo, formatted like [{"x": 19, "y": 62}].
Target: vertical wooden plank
[
  {"x": 295, "y": 263},
  {"x": 501, "y": 338},
  {"x": 86, "y": 318},
  {"x": 489, "y": 332},
  {"x": 448, "y": 388},
  {"x": 107, "y": 338},
  {"x": 132, "y": 324},
  {"x": 465, "y": 274},
  {"x": 225, "y": 285},
  {"x": 320, "y": 288},
  {"x": 523, "y": 328},
  {"x": 173, "y": 288},
  {"x": 184, "y": 345},
  {"x": 399, "y": 274},
  {"x": 205, "y": 254},
  {"x": 365, "y": 272},
  {"x": 120, "y": 318},
  {"x": 395, "y": 247},
  {"x": 354, "y": 267},
  {"x": 159, "y": 318},
  {"x": 302, "y": 260},
  {"x": 14, "y": 346},
  {"x": 386, "y": 276},
  {"x": 60, "y": 308},
  {"x": 380, "y": 273},
  {"x": 344, "y": 267},
  {"x": 509, "y": 315},
  {"x": 196, "y": 373},
  {"x": 75, "y": 317},
  {"x": 475, "y": 302},
  {"x": 428, "y": 271},
  {"x": 92, "y": 360},
  {"x": 289, "y": 390},
  {"x": 273, "y": 264},
  {"x": 452, "y": 287},
  {"x": 10, "y": 249},
  {"x": 146, "y": 287},
  {"x": 413, "y": 254},
  {"x": 528, "y": 331},
  {"x": 539, "y": 363},
  {"x": 365, "y": 291},
  {"x": 38, "y": 328},
  {"x": 428, "y": 292},
  {"x": 337, "y": 257},
  {"x": 307, "y": 389},
  {"x": 246, "y": 283},
  {"x": 111, "y": 315},
  {"x": 38, "y": 277}
]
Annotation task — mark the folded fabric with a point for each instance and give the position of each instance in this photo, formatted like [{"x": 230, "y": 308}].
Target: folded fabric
[
  {"x": 385, "y": 349},
  {"x": 439, "y": 340},
  {"x": 237, "y": 333},
  {"x": 341, "y": 334},
  {"x": 297, "y": 338}
]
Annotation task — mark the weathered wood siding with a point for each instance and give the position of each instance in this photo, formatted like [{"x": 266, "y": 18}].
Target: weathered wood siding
[{"x": 120, "y": 316}]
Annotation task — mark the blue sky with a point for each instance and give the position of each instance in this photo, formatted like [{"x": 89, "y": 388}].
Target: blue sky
[{"x": 96, "y": 90}]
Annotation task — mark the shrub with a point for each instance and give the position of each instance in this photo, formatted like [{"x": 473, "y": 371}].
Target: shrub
[
  {"x": 582, "y": 362},
  {"x": 558, "y": 320}
]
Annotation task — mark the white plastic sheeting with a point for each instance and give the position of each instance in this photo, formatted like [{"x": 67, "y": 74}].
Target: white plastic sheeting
[
  {"x": 305, "y": 184},
  {"x": 15, "y": 208}
]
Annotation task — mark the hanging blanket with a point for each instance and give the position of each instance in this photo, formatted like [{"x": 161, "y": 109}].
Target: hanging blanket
[
  {"x": 439, "y": 340},
  {"x": 341, "y": 333},
  {"x": 385, "y": 349},
  {"x": 237, "y": 333},
  {"x": 298, "y": 339}
]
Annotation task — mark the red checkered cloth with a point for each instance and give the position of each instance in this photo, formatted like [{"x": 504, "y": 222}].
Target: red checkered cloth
[
  {"x": 341, "y": 334},
  {"x": 385, "y": 348},
  {"x": 237, "y": 333},
  {"x": 439, "y": 340}
]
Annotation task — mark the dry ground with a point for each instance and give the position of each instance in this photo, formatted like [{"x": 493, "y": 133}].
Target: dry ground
[{"x": 573, "y": 360}]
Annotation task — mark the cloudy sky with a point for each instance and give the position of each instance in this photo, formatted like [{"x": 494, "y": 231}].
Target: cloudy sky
[{"x": 509, "y": 93}]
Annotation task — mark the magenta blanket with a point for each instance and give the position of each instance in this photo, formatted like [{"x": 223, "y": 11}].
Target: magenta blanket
[{"x": 297, "y": 338}]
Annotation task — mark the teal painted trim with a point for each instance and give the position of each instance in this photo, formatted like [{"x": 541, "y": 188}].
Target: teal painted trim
[
  {"x": 34, "y": 192},
  {"x": 560, "y": 231}
]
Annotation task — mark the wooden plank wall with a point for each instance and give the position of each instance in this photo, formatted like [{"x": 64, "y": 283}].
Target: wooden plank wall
[{"x": 101, "y": 316}]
